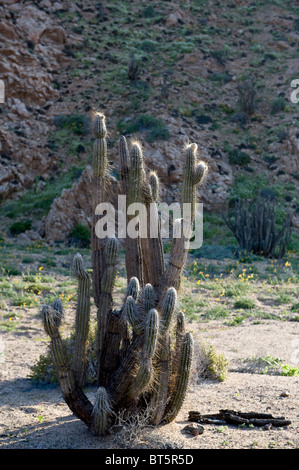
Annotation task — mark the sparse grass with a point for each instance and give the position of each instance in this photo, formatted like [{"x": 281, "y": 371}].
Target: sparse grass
[
  {"x": 217, "y": 312},
  {"x": 270, "y": 365},
  {"x": 235, "y": 289},
  {"x": 278, "y": 105},
  {"x": 244, "y": 303},
  {"x": 192, "y": 307},
  {"x": 9, "y": 325},
  {"x": 284, "y": 298}
]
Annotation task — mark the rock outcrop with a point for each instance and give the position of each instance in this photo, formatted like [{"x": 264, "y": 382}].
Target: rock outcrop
[
  {"x": 71, "y": 208},
  {"x": 31, "y": 49}
]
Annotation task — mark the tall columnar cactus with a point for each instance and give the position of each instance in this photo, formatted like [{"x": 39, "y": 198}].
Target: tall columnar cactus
[{"x": 138, "y": 366}]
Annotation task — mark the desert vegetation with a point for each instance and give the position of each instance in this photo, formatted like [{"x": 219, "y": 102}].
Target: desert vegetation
[{"x": 166, "y": 76}]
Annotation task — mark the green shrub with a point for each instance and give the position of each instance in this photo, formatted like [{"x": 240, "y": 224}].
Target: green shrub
[
  {"x": 237, "y": 157},
  {"x": 44, "y": 371},
  {"x": 244, "y": 303},
  {"x": 78, "y": 123},
  {"x": 148, "y": 45},
  {"x": 278, "y": 105},
  {"x": 20, "y": 227},
  {"x": 216, "y": 364},
  {"x": 149, "y": 12},
  {"x": 153, "y": 127},
  {"x": 290, "y": 371},
  {"x": 217, "y": 312},
  {"x": 10, "y": 271},
  {"x": 80, "y": 235},
  {"x": 221, "y": 77},
  {"x": 28, "y": 260}
]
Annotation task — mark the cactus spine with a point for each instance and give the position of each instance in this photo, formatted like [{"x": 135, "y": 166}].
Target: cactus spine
[{"x": 137, "y": 364}]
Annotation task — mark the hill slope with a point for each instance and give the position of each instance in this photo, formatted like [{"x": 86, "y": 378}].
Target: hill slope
[{"x": 63, "y": 60}]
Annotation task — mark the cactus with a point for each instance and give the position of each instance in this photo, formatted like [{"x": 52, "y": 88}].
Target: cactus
[
  {"x": 254, "y": 226},
  {"x": 138, "y": 366}
]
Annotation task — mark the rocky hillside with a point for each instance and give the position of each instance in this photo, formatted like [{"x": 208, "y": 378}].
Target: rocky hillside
[{"x": 214, "y": 72}]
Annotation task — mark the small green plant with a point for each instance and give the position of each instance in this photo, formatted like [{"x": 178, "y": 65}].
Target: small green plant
[
  {"x": 236, "y": 321},
  {"x": 295, "y": 307},
  {"x": 148, "y": 45},
  {"x": 237, "y": 157},
  {"x": 44, "y": 371},
  {"x": 270, "y": 362},
  {"x": 290, "y": 371},
  {"x": 278, "y": 105},
  {"x": 213, "y": 365},
  {"x": 11, "y": 270},
  {"x": 20, "y": 227},
  {"x": 247, "y": 95},
  {"x": 221, "y": 77},
  {"x": 149, "y": 12},
  {"x": 222, "y": 429},
  {"x": 77, "y": 123},
  {"x": 152, "y": 127},
  {"x": 11, "y": 324},
  {"x": 192, "y": 307},
  {"x": 27, "y": 260},
  {"x": 274, "y": 365},
  {"x": 217, "y": 312},
  {"x": 284, "y": 298},
  {"x": 244, "y": 303},
  {"x": 40, "y": 418},
  {"x": 80, "y": 235}
]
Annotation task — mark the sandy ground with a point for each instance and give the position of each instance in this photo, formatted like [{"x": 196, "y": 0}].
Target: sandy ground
[{"x": 36, "y": 417}]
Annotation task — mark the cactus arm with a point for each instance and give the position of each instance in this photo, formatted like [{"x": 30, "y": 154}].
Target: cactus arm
[
  {"x": 101, "y": 412},
  {"x": 163, "y": 358},
  {"x": 106, "y": 301},
  {"x": 155, "y": 245},
  {"x": 82, "y": 320},
  {"x": 57, "y": 305},
  {"x": 72, "y": 393},
  {"x": 111, "y": 354},
  {"x": 177, "y": 398},
  {"x": 148, "y": 298},
  {"x": 122, "y": 378},
  {"x": 132, "y": 315},
  {"x": 99, "y": 195},
  {"x": 160, "y": 388},
  {"x": 175, "y": 360},
  {"x": 193, "y": 174},
  {"x": 134, "y": 260},
  {"x": 124, "y": 164},
  {"x": 145, "y": 371},
  {"x": 133, "y": 288}
]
